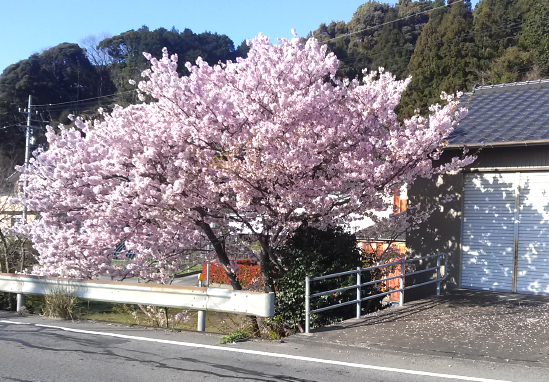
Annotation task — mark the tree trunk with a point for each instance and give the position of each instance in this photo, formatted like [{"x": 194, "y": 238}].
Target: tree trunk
[
  {"x": 221, "y": 254},
  {"x": 266, "y": 266},
  {"x": 224, "y": 260}
]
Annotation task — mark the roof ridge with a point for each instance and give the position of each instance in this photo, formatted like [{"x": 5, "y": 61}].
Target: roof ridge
[{"x": 510, "y": 84}]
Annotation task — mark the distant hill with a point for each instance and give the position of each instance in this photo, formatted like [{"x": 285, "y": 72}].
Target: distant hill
[{"x": 72, "y": 79}]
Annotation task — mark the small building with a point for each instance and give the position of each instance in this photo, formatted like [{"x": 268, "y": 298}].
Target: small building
[
  {"x": 495, "y": 231},
  {"x": 11, "y": 214}
]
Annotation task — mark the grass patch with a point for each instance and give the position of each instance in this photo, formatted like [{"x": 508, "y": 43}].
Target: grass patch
[
  {"x": 216, "y": 322},
  {"x": 237, "y": 335},
  {"x": 194, "y": 268}
]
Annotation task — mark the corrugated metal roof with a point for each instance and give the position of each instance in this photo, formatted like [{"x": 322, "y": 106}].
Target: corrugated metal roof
[{"x": 504, "y": 114}]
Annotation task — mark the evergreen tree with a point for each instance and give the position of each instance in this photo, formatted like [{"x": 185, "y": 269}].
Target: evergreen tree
[
  {"x": 534, "y": 37},
  {"x": 444, "y": 56},
  {"x": 510, "y": 67},
  {"x": 365, "y": 28},
  {"x": 57, "y": 75},
  {"x": 496, "y": 27},
  {"x": 378, "y": 35},
  {"x": 396, "y": 40}
]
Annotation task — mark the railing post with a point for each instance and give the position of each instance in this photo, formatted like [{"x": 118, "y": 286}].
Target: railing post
[
  {"x": 438, "y": 274},
  {"x": 307, "y": 304},
  {"x": 401, "y": 301},
  {"x": 20, "y": 301},
  {"x": 358, "y": 293}
]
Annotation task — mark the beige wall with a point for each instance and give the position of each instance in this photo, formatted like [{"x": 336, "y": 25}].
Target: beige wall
[{"x": 10, "y": 213}]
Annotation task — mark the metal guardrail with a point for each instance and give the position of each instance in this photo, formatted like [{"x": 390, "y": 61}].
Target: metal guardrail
[
  {"x": 201, "y": 299},
  {"x": 359, "y": 285}
]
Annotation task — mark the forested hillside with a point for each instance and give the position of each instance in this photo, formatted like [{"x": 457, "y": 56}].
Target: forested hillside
[
  {"x": 78, "y": 79},
  {"x": 443, "y": 45}
]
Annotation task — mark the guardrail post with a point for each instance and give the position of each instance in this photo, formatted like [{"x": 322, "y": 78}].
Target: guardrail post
[
  {"x": 438, "y": 274},
  {"x": 358, "y": 293},
  {"x": 201, "y": 321},
  {"x": 401, "y": 300},
  {"x": 201, "y": 324},
  {"x": 307, "y": 304},
  {"x": 20, "y": 301}
]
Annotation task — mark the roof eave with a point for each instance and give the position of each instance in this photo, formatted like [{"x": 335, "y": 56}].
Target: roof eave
[{"x": 498, "y": 144}]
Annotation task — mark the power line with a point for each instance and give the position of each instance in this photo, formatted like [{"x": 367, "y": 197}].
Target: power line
[
  {"x": 459, "y": 38},
  {"x": 13, "y": 125},
  {"x": 80, "y": 105},
  {"x": 80, "y": 101},
  {"x": 392, "y": 21}
]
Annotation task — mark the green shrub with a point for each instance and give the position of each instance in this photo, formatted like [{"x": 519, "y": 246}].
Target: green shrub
[
  {"x": 7, "y": 301},
  {"x": 312, "y": 252}
]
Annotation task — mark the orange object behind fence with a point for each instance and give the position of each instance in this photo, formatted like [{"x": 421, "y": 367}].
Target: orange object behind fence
[{"x": 377, "y": 248}]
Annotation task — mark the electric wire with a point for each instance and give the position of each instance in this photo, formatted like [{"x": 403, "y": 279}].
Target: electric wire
[
  {"x": 12, "y": 125},
  {"x": 394, "y": 21},
  {"x": 456, "y": 39},
  {"x": 45, "y": 105}
]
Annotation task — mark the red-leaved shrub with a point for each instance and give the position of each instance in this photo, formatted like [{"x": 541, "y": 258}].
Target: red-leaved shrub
[{"x": 248, "y": 273}]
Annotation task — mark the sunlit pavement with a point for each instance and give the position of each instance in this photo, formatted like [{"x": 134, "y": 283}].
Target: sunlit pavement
[{"x": 499, "y": 327}]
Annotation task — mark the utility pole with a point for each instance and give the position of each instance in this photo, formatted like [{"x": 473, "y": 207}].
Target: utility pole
[
  {"x": 27, "y": 152},
  {"x": 20, "y": 296}
]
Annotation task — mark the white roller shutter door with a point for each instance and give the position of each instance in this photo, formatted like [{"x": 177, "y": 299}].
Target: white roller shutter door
[
  {"x": 488, "y": 231},
  {"x": 505, "y": 237},
  {"x": 533, "y": 236}
]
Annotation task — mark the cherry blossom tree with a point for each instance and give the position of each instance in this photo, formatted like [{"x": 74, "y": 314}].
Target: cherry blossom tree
[{"x": 256, "y": 147}]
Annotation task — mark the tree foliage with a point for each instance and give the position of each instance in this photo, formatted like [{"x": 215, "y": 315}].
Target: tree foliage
[
  {"x": 443, "y": 45},
  {"x": 534, "y": 37},
  {"x": 254, "y": 147},
  {"x": 443, "y": 57},
  {"x": 59, "y": 74}
]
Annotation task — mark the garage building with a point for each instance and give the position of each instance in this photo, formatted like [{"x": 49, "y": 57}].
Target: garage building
[{"x": 496, "y": 229}]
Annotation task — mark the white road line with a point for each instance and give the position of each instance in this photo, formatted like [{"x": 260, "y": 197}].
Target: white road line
[{"x": 266, "y": 354}]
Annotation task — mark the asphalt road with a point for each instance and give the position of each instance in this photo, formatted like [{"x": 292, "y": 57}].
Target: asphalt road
[{"x": 36, "y": 349}]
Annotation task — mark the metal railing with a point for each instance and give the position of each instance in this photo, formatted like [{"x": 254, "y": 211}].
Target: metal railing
[{"x": 400, "y": 264}]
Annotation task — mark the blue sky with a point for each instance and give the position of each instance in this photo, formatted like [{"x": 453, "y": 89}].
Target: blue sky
[{"x": 30, "y": 26}]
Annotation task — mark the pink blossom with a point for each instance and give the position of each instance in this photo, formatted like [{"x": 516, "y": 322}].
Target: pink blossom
[{"x": 255, "y": 146}]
